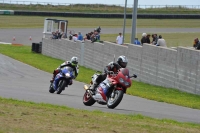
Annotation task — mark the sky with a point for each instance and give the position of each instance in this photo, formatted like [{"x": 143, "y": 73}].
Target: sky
[{"x": 122, "y": 2}]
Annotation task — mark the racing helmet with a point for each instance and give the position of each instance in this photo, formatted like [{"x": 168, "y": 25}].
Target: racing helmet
[
  {"x": 74, "y": 61},
  {"x": 122, "y": 61}
]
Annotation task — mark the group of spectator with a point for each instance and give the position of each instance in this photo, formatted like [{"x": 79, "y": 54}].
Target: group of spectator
[
  {"x": 156, "y": 40},
  {"x": 58, "y": 35},
  {"x": 75, "y": 36},
  {"x": 93, "y": 36}
]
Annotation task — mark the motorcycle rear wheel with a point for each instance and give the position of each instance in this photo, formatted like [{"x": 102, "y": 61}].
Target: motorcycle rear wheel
[
  {"x": 113, "y": 102},
  {"x": 51, "y": 89},
  {"x": 87, "y": 99},
  {"x": 61, "y": 86}
]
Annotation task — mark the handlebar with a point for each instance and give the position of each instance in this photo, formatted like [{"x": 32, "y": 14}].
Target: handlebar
[{"x": 133, "y": 76}]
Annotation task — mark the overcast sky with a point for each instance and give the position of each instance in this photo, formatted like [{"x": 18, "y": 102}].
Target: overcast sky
[{"x": 140, "y": 2}]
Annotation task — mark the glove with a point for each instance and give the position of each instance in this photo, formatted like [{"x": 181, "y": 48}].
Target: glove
[{"x": 135, "y": 76}]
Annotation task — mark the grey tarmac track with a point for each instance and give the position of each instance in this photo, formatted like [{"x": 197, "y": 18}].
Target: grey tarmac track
[
  {"x": 24, "y": 82},
  {"x": 22, "y": 36}
]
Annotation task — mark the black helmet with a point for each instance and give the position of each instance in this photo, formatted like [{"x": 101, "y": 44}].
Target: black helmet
[{"x": 122, "y": 61}]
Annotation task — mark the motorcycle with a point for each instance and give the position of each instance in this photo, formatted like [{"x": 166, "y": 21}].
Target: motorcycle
[
  {"x": 115, "y": 85},
  {"x": 62, "y": 80}
]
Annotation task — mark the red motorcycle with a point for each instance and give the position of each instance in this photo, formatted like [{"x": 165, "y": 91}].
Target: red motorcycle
[{"x": 115, "y": 86}]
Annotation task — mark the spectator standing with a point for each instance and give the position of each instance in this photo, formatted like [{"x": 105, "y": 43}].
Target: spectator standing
[
  {"x": 119, "y": 39},
  {"x": 75, "y": 37},
  {"x": 161, "y": 42},
  {"x": 88, "y": 36},
  {"x": 136, "y": 42},
  {"x": 148, "y": 39},
  {"x": 196, "y": 44},
  {"x": 143, "y": 39},
  {"x": 155, "y": 39},
  {"x": 56, "y": 35},
  {"x": 70, "y": 35},
  {"x": 80, "y": 36},
  {"x": 196, "y": 41}
]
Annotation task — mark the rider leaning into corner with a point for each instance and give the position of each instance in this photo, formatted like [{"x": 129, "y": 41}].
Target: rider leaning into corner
[
  {"x": 73, "y": 63},
  {"x": 122, "y": 62}
]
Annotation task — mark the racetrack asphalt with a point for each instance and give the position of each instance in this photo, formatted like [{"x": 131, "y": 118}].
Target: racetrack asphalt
[
  {"x": 22, "y": 36},
  {"x": 24, "y": 82}
]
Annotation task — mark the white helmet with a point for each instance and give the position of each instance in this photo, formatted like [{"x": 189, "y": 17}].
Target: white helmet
[
  {"x": 74, "y": 61},
  {"x": 122, "y": 61}
]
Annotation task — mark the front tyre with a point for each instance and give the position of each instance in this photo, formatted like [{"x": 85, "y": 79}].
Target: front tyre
[
  {"x": 87, "y": 99},
  {"x": 113, "y": 102},
  {"x": 51, "y": 89},
  {"x": 61, "y": 86}
]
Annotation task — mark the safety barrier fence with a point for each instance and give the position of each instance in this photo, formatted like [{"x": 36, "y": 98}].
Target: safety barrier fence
[{"x": 154, "y": 65}]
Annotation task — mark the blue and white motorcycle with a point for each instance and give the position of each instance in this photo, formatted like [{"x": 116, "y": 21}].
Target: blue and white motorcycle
[{"x": 62, "y": 80}]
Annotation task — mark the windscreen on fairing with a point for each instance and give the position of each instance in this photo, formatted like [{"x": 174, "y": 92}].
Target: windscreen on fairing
[
  {"x": 68, "y": 68},
  {"x": 125, "y": 71}
]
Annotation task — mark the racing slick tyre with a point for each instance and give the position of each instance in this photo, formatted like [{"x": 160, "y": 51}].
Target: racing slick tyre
[
  {"x": 87, "y": 99},
  {"x": 61, "y": 86},
  {"x": 112, "y": 102},
  {"x": 51, "y": 89}
]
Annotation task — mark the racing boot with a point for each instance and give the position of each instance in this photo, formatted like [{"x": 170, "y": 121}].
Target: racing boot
[
  {"x": 70, "y": 82},
  {"x": 51, "y": 81}
]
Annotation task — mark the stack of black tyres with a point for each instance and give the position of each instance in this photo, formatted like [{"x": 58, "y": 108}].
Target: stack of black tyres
[{"x": 37, "y": 47}]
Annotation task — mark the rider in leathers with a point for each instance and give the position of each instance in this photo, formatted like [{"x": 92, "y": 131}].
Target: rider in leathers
[
  {"x": 73, "y": 63},
  {"x": 110, "y": 68}
]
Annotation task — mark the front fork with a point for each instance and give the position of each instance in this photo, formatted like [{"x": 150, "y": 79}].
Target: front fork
[{"x": 113, "y": 92}]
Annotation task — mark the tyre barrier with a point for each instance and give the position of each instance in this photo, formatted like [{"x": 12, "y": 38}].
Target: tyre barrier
[
  {"x": 36, "y": 47},
  {"x": 106, "y": 15}
]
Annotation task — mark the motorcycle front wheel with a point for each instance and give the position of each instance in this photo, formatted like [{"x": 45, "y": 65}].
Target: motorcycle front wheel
[
  {"x": 114, "y": 101},
  {"x": 61, "y": 86},
  {"x": 87, "y": 99},
  {"x": 51, "y": 89}
]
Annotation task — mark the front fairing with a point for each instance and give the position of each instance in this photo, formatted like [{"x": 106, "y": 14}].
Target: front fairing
[
  {"x": 121, "y": 79},
  {"x": 66, "y": 73}
]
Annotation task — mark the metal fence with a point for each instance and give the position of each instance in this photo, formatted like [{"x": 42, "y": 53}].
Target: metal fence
[{"x": 30, "y": 3}]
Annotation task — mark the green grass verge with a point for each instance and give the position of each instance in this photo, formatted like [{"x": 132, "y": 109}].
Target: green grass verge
[
  {"x": 23, "y": 116},
  {"x": 11, "y": 21},
  {"x": 98, "y": 8},
  {"x": 157, "y": 93},
  {"x": 172, "y": 39}
]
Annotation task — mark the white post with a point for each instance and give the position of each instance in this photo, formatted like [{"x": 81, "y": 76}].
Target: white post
[
  {"x": 59, "y": 26},
  {"x": 65, "y": 28},
  {"x": 45, "y": 28},
  {"x": 52, "y": 28},
  {"x": 82, "y": 52}
]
